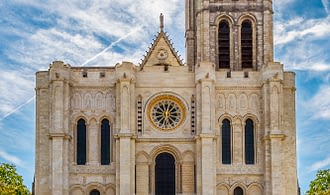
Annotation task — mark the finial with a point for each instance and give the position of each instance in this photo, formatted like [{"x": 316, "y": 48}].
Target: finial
[{"x": 161, "y": 18}]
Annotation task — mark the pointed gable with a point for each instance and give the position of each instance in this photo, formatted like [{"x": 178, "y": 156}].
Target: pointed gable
[{"x": 161, "y": 53}]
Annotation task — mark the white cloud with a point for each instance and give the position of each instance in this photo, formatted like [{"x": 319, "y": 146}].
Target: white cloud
[
  {"x": 11, "y": 158},
  {"x": 326, "y": 5},
  {"x": 16, "y": 87},
  {"x": 299, "y": 28},
  {"x": 320, "y": 164},
  {"x": 319, "y": 105}
]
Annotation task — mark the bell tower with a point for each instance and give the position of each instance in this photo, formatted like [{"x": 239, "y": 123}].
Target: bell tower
[{"x": 232, "y": 34}]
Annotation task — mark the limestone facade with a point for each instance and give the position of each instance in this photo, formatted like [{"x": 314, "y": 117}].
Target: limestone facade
[{"x": 198, "y": 96}]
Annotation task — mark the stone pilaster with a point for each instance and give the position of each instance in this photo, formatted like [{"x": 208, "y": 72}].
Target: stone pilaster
[
  {"x": 205, "y": 79},
  {"x": 58, "y": 131},
  {"x": 125, "y": 172},
  {"x": 274, "y": 134}
]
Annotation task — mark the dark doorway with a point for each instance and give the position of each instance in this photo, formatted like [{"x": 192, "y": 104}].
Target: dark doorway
[{"x": 165, "y": 174}]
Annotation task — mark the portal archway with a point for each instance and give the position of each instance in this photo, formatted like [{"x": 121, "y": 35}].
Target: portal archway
[{"x": 165, "y": 174}]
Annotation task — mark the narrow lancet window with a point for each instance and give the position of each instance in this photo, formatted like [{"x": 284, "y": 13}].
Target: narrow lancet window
[
  {"x": 224, "y": 45},
  {"x": 226, "y": 141},
  {"x": 249, "y": 142},
  {"x": 81, "y": 142},
  {"x": 105, "y": 142},
  {"x": 246, "y": 44}
]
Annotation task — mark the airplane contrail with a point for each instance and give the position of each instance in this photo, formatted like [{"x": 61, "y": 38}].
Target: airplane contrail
[
  {"x": 86, "y": 62},
  {"x": 111, "y": 45},
  {"x": 17, "y": 108}
]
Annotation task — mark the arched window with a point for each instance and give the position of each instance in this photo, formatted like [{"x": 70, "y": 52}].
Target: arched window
[
  {"x": 238, "y": 191},
  {"x": 105, "y": 142},
  {"x": 246, "y": 44},
  {"x": 249, "y": 142},
  {"x": 81, "y": 142},
  {"x": 226, "y": 141},
  {"x": 95, "y": 192},
  {"x": 224, "y": 45}
]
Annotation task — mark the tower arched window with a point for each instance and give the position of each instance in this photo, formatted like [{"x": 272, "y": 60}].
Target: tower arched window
[
  {"x": 249, "y": 142},
  {"x": 226, "y": 141},
  {"x": 81, "y": 142},
  {"x": 238, "y": 191},
  {"x": 95, "y": 192},
  {"x": 246, "y": 44},
  {"x": 224, "y": 45},
  {"x": 105, "y": 142}
]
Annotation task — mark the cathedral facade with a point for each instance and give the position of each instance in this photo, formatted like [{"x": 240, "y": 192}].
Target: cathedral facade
[{"x": 221, "y": 124}]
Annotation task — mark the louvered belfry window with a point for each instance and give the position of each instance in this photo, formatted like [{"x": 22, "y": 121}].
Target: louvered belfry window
[
  {"x": 81, "y": 142},
  {"x": 224, "y": 45},
  {"x": 246, "y": 44}
]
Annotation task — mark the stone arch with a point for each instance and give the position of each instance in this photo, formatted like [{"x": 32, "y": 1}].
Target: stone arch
[
  {"x": 225, "y": 116},
  {"x": 99, "y": 101},
  {"x": 226, "y": 17},
  {"x": 243, "y": 102},
  {"x": 247, "y": 16},
  {"x": 188, "y": 156},
  {"x": 110, "y": 102},
  {"x": 221, "y": 101},
  {"x": 231, "y": 101},
  {"x": 170, "y": 149},
  {"x": 223, "y": 189},
  {"x": 96, "y": 186},
  {"x": 255, "y": 189},
  {"x": 166, "y": 148},
  {"x": 108, "y": 117},
  {"x": 110, "y": 189},
  {"x": 254, "y": 103},
  {"x": 236, "y": 185},
  {"x": 88, "y": 101},
  {"x": 142, "y": 157},
  {"x": 76, "y": 101},
  {"x": 76, "y": 190}
]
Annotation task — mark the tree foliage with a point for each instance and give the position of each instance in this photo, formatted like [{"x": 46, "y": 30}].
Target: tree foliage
[
  {"x": 10, "y": 182},
  {"x": 321, "y": 184}
]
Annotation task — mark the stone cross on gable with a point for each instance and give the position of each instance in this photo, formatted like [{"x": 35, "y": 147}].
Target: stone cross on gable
[{"x": 161, "y": 18}]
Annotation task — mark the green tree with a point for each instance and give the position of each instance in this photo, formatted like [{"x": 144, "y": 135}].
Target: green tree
[
  {"x": 10, "y": 182},
  {"x": 321, "y": 184}
]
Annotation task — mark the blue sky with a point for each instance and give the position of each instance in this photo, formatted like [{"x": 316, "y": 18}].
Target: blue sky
[{"x": 33, "y": 33}]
